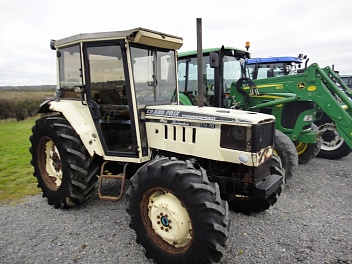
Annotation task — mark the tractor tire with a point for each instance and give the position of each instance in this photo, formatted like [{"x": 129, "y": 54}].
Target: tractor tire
[
  {"x": 177, "y": 214},
  {"x": 249, "y": 205},
  {"x": 287, "y": 152},
  {"x": 64, "y": 169},
  {"x": 308, "y": 151},
  {"x": 333, "y": 145}
]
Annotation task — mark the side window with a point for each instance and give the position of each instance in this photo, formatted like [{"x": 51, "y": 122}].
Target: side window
[
  {"x": 70, "y": 71},
  {"x": 232, "y": 72},
  {"x": 107, "y": 78},
  {"x": 192, "y": 74}
]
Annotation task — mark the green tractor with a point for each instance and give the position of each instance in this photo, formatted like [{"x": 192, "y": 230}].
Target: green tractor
[
  {"x": 297, "y": 100},
  {"x": 221, "y": 67},
  {"x": 116, "y": 115},
  {"x": 333, "y": 144}
]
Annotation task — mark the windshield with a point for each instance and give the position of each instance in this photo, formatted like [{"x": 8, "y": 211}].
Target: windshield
[
  {"x": 154, "y": 76},
  {"x": 267, "y": 70}
]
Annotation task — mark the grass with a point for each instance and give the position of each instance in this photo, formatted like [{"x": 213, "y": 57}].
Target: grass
[{"x": 16, "y": 172}]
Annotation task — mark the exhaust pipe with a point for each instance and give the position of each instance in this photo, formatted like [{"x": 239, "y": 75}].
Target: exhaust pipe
[{"x": 200, "y": 63}]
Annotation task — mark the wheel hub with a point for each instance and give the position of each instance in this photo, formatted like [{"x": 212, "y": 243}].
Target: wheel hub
[
  {"x": 50, "y": 164},
  {"x": 170, "y": 219},
  {"x": 165, "y": 221},
  {"x": 328, "y": 135},
  {"x": 331, "y": 138},
  {"x": 56, "y": 161}
]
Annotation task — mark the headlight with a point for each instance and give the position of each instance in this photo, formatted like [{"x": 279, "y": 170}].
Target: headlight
[
  {"x": 262, "y": 136},
  {"x": 238, "y": 133},
  {"x": 235, "y": 137},
  {"x": 250, "y": 139}
]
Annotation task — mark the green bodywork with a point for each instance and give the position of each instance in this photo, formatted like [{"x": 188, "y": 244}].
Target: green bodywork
[
  {"x": 185, "y": 99},
  {"x": 295, "y": 100}
]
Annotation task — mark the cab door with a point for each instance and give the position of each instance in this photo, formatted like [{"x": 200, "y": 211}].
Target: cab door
[{"x": 108, "y": 97}]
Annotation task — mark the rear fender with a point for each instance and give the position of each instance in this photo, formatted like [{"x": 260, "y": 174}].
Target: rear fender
[{"x": 79, "y": 116}]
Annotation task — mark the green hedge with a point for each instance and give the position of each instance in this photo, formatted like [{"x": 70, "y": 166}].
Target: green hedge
[{"x": 19, "y": 109}]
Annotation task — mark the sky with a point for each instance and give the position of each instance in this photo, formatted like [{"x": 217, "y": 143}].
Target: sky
[{"x": 321, "y": 29}]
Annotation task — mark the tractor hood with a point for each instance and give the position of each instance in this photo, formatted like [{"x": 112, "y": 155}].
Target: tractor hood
[
  {"x": 207, "y": 114},
  {"x": 226, "y": 135}
]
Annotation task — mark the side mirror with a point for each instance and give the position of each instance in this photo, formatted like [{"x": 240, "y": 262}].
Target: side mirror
[
  {"x": 52, "y": 44},
  {"x": 214, "y": 60}
]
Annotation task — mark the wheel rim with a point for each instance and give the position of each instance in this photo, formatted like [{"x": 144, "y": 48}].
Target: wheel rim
[
  {"x": 331, "y": 137},
  {"x": 49, "y": 162},
  {"x": 301, "y": 147},
  {"x": 166, "y": 220}
]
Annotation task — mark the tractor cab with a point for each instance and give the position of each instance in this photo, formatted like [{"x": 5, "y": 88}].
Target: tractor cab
[
  {"x": 117, "y": 83},
  {"x": 261, "y": 68},
  {"x": 221, "y": 67}
]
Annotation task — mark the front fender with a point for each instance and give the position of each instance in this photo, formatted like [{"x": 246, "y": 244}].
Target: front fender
[{"x": 45, "y": 106}]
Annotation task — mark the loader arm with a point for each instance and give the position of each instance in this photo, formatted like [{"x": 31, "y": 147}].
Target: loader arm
[
  {"x": 338, "y": 105},
  {"x": 323, "y": 87}
]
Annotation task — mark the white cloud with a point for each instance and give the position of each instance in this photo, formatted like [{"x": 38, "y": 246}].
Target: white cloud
[{"x": 320, "y": 29}]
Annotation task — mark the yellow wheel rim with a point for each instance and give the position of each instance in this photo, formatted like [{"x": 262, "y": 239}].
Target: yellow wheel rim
[{"x": 301, "y": 147}]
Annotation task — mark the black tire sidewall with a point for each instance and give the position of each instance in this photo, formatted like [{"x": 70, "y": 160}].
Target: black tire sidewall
[
  {"x": 287, "y": 153},
  {"x": 42, "y": 129},
  {"x": 200, "y": 224}
]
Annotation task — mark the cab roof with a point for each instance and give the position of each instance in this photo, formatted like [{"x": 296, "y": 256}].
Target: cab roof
[
  {"x": 273, "y": 60},
  {"x": 206, "y": 51},
  {"x": 139, "y": 35}
]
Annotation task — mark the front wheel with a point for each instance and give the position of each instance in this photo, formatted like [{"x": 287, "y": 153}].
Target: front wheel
[
  {"x": 177, "y": 213},
  {"x": 64, "y": 170},
  {"x": 286, "y": 150},
  {"x": 333, "y": 145}
]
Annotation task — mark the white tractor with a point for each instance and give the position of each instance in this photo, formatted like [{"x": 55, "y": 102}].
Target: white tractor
[{"x": 116, "y": 109}]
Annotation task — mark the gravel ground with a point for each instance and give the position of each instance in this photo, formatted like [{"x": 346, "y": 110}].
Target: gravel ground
[{"x": 311, "y": 223}]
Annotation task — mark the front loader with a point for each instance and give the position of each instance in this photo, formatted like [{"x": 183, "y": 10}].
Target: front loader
[
  {"x": 334, "y": 145},
  {"x": 278, "y": 86},
  {"x": 116, "y": 115}
]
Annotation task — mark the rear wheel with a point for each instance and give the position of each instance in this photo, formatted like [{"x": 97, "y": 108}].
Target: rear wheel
[
  {"x": 65, "y": 171},
  {"x": 308, "y": 151},
  {"x": 333, "y": 145},
  {"x": 287, "y": 152},
  {"x": 248, "y": 205},
  {"x": 177, "y": 213}
]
